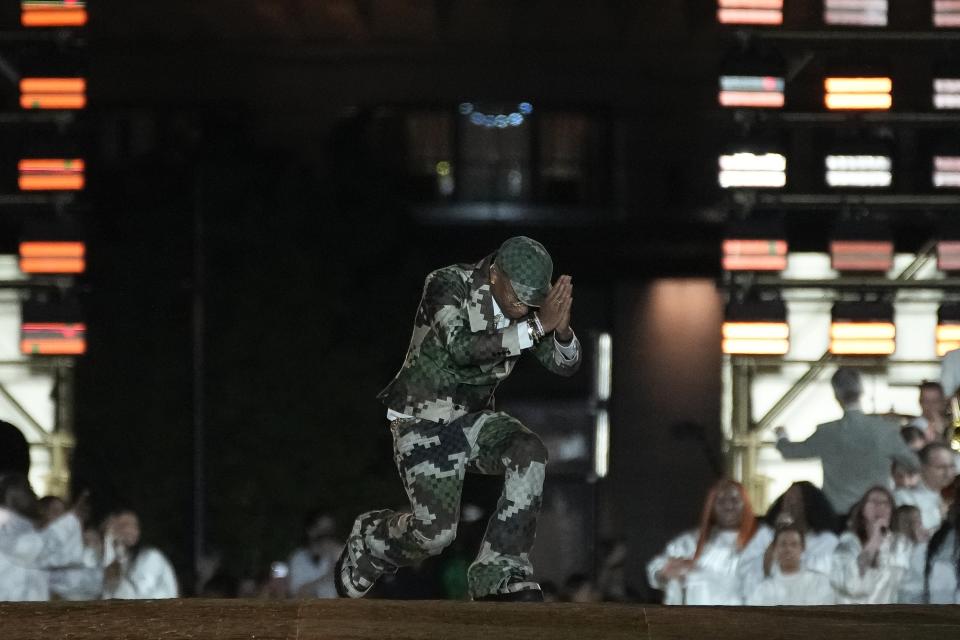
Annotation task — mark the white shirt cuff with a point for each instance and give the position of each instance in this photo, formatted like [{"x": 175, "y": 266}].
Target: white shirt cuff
[
  {"x": 524, "y": 335},
  {"x": 567, "y": 351}
]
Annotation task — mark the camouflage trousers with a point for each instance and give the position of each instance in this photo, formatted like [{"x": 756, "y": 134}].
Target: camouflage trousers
[{"x": 433, "y": 460}]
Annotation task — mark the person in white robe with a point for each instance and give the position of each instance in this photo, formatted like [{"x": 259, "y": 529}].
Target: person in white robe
[
  {"x": 936, "y": 473},
  {"x": 703, "y": 566},
  {"x": 791, "y": 583},
  {"x": 870, "y": 560},
  {"x": 805, "y": 506},
  {"x": 908, "y": 523},
  {"x": 82, "y": 581},
  {"x": 28, "y": 554},
  {"x": 311, "y": 565},
  {"x": 132, "y": 571}
]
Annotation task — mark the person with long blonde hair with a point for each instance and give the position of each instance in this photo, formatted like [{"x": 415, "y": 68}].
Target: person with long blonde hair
[{"x": 703, "y": 566}]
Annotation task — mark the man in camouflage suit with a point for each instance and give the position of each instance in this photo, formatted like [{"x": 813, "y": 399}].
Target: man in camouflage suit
[{"x": 472, "y": 325}]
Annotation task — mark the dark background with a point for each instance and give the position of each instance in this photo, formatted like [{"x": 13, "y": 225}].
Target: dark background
[{"x": 247, "y": 172}]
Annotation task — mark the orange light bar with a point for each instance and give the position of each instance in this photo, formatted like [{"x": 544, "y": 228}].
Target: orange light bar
[
  {"x": 53, "y": 13},
  {"x": 948, "y": 338},
  {"x": 754, "y": 255},
  {"x": 861, "y": 255},
  {"x": 756, "y": 338},
  {"x": 51, "y": 174},
  {"x": 52, "y": 257},
  {"x": 53, "y": 338},
  {"x": 858, "y": 93},
  {"x": 53, "y": 93},
  {"x": 863, "y": 338}
]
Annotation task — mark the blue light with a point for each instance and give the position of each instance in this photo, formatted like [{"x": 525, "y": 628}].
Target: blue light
[
  {"x": 502, "y": 121},
  {"x": 498, "y": 121},
  {"x": 525, "y": 108},
  {"x": 466, "y": 108},
  {"x": 477, "y": 118},
  {"x": 515, "y": 119}
]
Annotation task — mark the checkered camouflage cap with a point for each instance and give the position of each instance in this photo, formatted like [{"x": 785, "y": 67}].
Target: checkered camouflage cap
[{"x": 529, "y": 268}]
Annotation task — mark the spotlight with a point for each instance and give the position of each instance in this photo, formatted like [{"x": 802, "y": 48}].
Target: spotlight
[
  {"x": 52, "y": 327},
  {"x": 946, "y": 93},
  {"x": 946, "y": 172},
  {"x": 946, "y": 13}
]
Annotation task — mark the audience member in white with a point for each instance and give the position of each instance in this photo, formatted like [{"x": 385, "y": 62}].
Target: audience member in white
[
  {"x": 28, "y": 554},
  {"x": 703, "y": 566},
  {"x": 791, "y": 583},
  {"x": 311, "y": 566},
  {"x": 805, "y": 507},
  {"x": 933, "y": 420},
  {"x": 855, "y": 451},
  {"x": 82, "y": 580},
  {"x": 936, "y": 474},
  {"x": 133, "y": 571},
  {"x": 870, "y": 561},
  {"x": 942, "y": 571},
  {"x": 907, "y": 523}
]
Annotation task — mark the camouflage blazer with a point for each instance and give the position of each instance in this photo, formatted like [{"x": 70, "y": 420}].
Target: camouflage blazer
[{"x": 457, "y": 356}]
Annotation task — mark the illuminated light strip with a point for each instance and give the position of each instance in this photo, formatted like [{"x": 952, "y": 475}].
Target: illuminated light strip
[
  {"x": 768, "y": 12},
  {"x": 53, "y": 93},
  {"x": 863, "y": 347},
  {"x": 948, "y": 338},
  {"x": 53, "y": 13},
  {"x": 601, "y": 453},
  {"x": 754, "y": 255},
  {"x": 751, "y": 91},
  {"x": 946, "y": 93},
  {"x": 946, "y": 171},
  {"x": 756, "y": 338},
  {"x": 51, "y": 175},
  {"x": 863, "y": 13},
  {"x": 52, "y": 257},
  {"x": 53, "y": 338},
  {"x": 946, "y": 13},
  {"x": 752, "y": 170},
  {"x": 756, "y": 330},
  {"x": 856, "y": 255},
  {"x": 751, "y": 99},
  {"x": 858, "y": 93},
  {"x": 948, "y": 255},
  {"x": 862, "y": 338},
  {"x": 859, "y": 178}
]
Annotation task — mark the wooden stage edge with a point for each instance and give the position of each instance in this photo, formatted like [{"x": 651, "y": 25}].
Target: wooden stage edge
[{"x": 426, "y": 620}]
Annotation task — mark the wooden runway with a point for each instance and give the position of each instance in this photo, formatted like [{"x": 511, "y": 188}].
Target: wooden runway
[{"x": 422, "y": 620}]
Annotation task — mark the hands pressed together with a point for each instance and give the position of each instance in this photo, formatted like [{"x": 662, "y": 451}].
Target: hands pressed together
[{"x": 554, "y": 314}]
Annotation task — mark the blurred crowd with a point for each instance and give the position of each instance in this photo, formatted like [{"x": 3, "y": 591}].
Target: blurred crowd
[{"x": 884, "y": 528}]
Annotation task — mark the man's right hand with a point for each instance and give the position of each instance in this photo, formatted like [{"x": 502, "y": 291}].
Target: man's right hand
[{"x": 556, "y": 304}]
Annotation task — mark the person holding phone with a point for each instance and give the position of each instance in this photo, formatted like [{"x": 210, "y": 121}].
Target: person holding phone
[
  {"x": 871, "y": 560},
  {"x": 132, "y": 570}
]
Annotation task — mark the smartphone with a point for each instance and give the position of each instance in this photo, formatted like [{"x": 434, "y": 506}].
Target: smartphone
[{"x": 279, "y": 570}]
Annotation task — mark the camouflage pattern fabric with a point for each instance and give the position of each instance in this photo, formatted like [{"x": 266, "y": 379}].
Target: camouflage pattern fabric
[
  {"x": 529, "y": 268},
  {"x": 457, "y": 356},
  {"x": 433, "y": 459}
]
